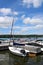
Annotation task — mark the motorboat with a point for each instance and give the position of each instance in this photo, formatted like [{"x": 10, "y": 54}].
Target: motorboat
[
  {"x": 40, "y": 43},
  {"x": 33, "y": 49},
  {"x": 18, "y": 51}
]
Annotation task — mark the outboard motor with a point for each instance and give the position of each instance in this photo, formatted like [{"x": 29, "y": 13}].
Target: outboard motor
[
  {"x": 0, "y": 42},
  {"x": 23, "y": 51}
]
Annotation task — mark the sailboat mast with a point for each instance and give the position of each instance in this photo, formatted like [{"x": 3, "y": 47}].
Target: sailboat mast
[
  {"x": 11, "y": 30},
  {"x": 12, "y": 26}
]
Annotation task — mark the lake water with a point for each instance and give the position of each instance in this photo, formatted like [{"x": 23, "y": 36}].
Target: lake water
[{"x": 6, "y": 58}]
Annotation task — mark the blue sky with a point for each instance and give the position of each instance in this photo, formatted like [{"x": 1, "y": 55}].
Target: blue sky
[{"x": 27, "y": 16}]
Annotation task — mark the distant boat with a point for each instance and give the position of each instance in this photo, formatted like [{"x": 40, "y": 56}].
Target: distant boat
[
  {"x": 18, "y": 51},
  {"x": 20, "y": 43}
]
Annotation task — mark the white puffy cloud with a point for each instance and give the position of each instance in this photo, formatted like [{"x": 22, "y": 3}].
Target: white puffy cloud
[
  {"x": 15, "y": 13},
  {"x": 16, "y": 27},
  {"x": 33, "y": 20},
  {"x": 5, "y": 11},
  {"x": 21, "y": 29},
  {"x": 6, "y": 21},
  {"x": 26, "y": 20},
  {"x": 35, "y": 3},
  {"x": 27, "y": 28},
  {"x": 23, "y": 16},
  {"x": 36, "y": 21},
  {"x": 37, "y": 29}
]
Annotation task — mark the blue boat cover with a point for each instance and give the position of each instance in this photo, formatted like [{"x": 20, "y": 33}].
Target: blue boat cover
[{"x": 18, "y": 44}]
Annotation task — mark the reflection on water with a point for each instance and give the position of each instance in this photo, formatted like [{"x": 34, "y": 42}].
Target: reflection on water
[
  {"x": 6, "y": 58},
  {"x": 16, "y": 60}
]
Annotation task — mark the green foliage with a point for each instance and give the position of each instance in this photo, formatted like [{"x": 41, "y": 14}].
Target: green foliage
[{"x": 19, "y": 36}]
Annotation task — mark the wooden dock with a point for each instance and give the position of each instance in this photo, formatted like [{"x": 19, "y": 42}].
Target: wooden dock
[{"x": 4, "y": 46}]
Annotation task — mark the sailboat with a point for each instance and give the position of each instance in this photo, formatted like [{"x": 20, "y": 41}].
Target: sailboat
[{"x": 16, "y": 50}]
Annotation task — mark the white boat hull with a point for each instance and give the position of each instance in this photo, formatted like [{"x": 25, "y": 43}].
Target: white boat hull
[{"x": 16, "y": 51}]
